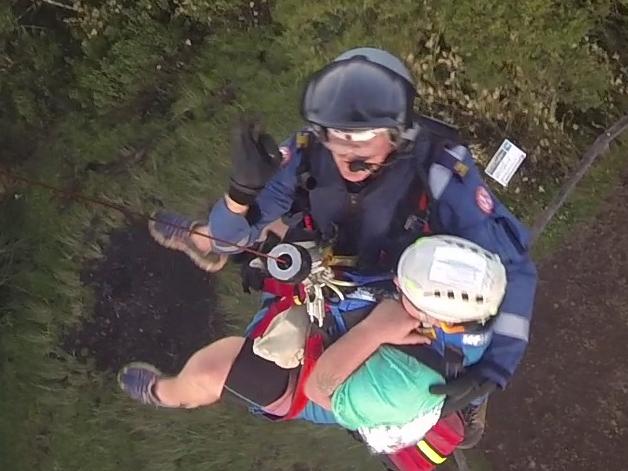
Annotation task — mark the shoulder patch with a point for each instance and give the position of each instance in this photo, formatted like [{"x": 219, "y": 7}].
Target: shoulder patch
[
  {"x": 484, "y": 200},
  {"x": 302, "y": 139},
  {"x": 461, "y": 169}
]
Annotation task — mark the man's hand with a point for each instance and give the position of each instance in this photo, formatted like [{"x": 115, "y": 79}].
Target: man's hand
[
  {"x": 390, "y": 323},
  {"x": 462, "y": 391},
  {"x": 255, "y": 158}
]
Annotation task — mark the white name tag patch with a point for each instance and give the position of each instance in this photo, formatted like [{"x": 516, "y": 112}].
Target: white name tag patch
[{"x": 505, "y": 163}]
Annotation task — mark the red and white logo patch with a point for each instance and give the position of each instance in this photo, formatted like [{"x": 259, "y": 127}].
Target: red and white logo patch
[{"x": 484, "y": 200}]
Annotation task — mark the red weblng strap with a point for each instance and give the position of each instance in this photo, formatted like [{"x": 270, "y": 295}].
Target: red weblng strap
[
  {"x": 308, "y": 222},
  {"x": 424, "y": 204},
  {"x": 278, "y": 288},
  {"x": 314, "y": 347},
  {"x": 274, "y": 310},
  {"x": 444, "y": 437},
  {"x": 411, "y": 459}
]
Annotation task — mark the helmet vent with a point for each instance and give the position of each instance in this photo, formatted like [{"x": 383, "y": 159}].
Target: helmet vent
[{"x": 479, "y": 299}]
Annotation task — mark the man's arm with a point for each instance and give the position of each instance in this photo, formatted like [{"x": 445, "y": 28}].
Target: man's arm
[
  {"x": 511, "y": 328},
  {"x": 339, "y": 361},
  {"x": 468, "y": 209},
  {"x": 231, "y": 222},
  {"x": 388, "y": 323}
]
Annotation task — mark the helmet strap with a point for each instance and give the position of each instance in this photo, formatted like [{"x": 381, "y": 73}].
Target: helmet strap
[
  {"x": 319, "y": 131},
  {"x": 407, "y": 137}
]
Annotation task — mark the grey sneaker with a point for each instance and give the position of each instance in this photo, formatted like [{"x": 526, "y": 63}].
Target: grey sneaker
[
  {"x": 474, "y": 417},
  {"x": 173, "y": 231},
  {"x": 137, "y": 380}
]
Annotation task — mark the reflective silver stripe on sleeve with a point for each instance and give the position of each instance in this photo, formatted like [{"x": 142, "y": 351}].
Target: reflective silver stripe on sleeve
[
  {"x": 512, "y": 325},
  {"x": 229, "y": 249},
  {"x": 438, "y": 179},
  {"x": 440, "y": 176}
]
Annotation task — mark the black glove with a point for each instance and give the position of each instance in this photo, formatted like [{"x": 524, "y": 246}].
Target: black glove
[
  {"x": 255, "y": 158},
  {"x": 253, "y": 274},
  {"x": 462, "y": 391}
]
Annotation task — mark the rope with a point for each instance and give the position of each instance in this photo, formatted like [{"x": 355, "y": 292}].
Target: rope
[{"x": 127, "y": 211}]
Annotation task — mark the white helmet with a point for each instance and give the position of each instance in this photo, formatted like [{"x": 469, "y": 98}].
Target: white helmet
[{"x": 452, "y": 279}]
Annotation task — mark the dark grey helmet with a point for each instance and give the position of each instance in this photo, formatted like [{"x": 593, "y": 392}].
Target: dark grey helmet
[
  {"x": 362, "y": 88},
  {"x": 380, "y": 57}
]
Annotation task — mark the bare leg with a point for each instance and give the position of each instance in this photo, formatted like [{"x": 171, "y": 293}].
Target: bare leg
[{"x": 201, "y": 380}]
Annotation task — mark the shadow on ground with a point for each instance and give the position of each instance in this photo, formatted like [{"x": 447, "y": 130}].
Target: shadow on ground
[{"x": 151, "y": 304}]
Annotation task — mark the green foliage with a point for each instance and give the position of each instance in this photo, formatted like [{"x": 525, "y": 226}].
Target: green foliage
[
  {"x": 218, "y": 12},
  {"x": 537, "y": 46},
  {"x": 314, "y": 35},
  {"x": 124, "y": 63},
  {"x": 29, "y": 64},
  {"x": 8, "y": 25},
  {"x": 528, "y": 71},
  {"x": 601, "y": 180},
  {"x": 32, "y": 76}
]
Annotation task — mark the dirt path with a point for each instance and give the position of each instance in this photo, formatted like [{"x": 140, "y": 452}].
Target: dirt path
[{"x": 567, "y": 409}]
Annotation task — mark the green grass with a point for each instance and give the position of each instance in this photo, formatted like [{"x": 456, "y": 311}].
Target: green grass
[
  {"x": 585, "y": 202},
  {"x": 58, "y": 414}
]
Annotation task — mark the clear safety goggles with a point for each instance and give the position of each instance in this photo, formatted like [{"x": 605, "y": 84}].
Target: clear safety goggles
[
  {"x": 353, "y": 145},
  {"x": 355, "y": 135}
]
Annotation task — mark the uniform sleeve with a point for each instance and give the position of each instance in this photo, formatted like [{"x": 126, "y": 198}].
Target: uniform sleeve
[
  {"x": 466, "y": 208},
  {"x": 273, "y": 201}
]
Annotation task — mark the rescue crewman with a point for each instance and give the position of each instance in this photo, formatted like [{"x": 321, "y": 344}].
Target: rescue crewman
[{"x": 372, "y": 176}]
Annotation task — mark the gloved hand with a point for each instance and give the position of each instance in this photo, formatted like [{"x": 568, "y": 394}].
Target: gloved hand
[
  {"x": 463, "y": 390},
  {"x": 255, "y": 158},
  {"x": 253, "y": 270}
]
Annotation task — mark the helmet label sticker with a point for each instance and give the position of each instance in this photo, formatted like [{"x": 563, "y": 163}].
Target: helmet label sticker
[
  {"x": 484, "y": 200},
  {"x": 459, "y": 268}
]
